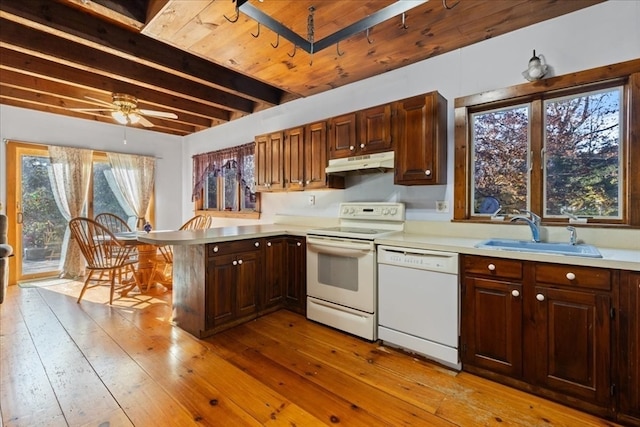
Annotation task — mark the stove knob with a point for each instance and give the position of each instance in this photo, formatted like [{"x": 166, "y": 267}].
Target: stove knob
[
  {"x": 345, "y": 211},
  {"x": 385, "y": 211},
  {"x": 351, "y": 210},
  {"x": 394, "y": 211}
]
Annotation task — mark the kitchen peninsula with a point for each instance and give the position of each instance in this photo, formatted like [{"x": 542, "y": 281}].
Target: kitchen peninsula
[{"x": 226, "y": 276}]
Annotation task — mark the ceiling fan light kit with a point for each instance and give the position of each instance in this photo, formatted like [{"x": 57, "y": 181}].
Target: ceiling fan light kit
[
  {"x": 536, "y": 68},
  {"x": 124, "y": 110}
]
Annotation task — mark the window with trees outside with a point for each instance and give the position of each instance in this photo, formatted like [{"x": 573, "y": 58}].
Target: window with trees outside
[
  {"x": 224, "y": 182},
  {"x": 560, "y": 151}
]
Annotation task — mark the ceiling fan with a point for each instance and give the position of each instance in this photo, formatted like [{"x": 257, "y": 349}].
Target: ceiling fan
[{"x": 124, "y": 109}]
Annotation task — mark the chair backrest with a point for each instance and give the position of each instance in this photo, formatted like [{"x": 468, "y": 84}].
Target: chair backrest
[
  {"x": 100, "y": 248},
  {"x": 198, "y": 222},
  {"x": 112, "y": 222}
]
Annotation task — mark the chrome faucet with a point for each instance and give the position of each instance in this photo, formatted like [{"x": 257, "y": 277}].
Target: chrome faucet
[
  {"x": 534, "y": 223},
  {"x": 573, "y": 235}
]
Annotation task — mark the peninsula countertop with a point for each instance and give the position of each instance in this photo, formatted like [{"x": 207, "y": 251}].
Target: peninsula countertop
[{"x": 626, "y": 259}]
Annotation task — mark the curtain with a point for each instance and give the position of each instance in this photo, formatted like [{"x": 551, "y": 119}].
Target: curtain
[
  {"x": 213, "y": 161},
  {"x": 134, "y": 176},
  {"x": 70, "y": 174}
]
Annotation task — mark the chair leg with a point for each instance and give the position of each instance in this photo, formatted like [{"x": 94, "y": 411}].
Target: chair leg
[
  {"x": 84, "y": 288},
  {"x": 112, "y": 281}
]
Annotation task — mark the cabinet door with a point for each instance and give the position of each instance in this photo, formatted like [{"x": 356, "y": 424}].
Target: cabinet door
[
  {"x": 374, "y": 130},
  {"x": 572, "y": 344},
  {"x": 268, "y": 158},
  {"x": 293, "y": 158},
  {"x": 220, "y": 291},
  {"x": 275, "y": 272},
  {"x": 421, "y": 140},
  {"x": 492, "y": 325},
  {"x": 248, "y": 273},
  {"x": 296, "y": 289},
  {"x": 629, "y": 346},
  {"x": 342, "y": 136}
]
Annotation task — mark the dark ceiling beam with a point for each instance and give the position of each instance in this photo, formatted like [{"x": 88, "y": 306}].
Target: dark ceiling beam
[
  {"x": 88, "y": 29},
  {"x": 49, "y": 70},
  {"x": 70, "y": 96},
  {"x": 51, "y": 47}
]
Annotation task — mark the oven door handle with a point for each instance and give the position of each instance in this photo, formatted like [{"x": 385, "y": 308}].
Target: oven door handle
[{"x": 339, "y": 247}]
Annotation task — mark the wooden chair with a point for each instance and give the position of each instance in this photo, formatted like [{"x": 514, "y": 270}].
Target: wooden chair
[
  {"x": 164, "y": 268},
  {"x": 114, "y": 223},
  {"x": 104, "y": 253}
]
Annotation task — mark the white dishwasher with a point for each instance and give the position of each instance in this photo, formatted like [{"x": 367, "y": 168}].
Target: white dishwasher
[{"x": 418, "y": 302}]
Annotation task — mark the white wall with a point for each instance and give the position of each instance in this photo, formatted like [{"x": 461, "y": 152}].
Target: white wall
[
  {"x": 603, "y": 34},
  {"x": 44, "y": 128}
]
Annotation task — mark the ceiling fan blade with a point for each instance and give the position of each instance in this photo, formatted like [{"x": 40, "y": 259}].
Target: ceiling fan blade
[
  {"x": 162, "y": 114},
  {"x": 144, "y": 122},
  {"x": 92, "y": 109},
  {"x": 99, "y": 101}
]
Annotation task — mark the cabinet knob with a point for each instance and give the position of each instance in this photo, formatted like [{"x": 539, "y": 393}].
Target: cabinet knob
[
  {"x": 540, "y": 297},
  {"x": 571, "y": 276},
  {"x": 427, "y": 172},
  {"x": 268, "y": 243},
  {"x": 515, "y": 293},
  {"x": 308, "y": 182},
  {"x": 491, "y": 267},
  {"x": 215, "y": 249},
  {"x": 257, "y": 244},
  {"x": 239, "y": 261},
  {"x": 351, "y": 147},
  {"x": 234, "y": 262},
  {"x": 361, "y": 145},
  {"x": 298, "y": 244}
]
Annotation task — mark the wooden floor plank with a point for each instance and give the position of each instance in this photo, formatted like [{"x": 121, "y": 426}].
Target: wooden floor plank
[
  {"x": 126, "y": 364},
  {"x": 26, "y": 395}
]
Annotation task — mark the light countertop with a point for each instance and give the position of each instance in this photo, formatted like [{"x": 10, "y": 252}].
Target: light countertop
[{"x": 626, "y": 259}]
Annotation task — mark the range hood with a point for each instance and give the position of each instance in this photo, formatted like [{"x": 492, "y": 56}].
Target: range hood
[{"x": 365, "y": 163}]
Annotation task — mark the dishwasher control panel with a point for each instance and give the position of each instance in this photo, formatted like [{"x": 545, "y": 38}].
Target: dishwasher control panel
[{"x": 445, "y": 262}]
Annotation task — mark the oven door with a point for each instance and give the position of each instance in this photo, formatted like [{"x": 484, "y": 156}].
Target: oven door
[{"x": 342, "y": 271}]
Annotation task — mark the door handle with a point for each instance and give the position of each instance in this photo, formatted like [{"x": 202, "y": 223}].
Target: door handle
[{"x": 20, "y": 218}]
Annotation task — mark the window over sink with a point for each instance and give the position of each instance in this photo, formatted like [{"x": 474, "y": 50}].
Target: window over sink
[{"x": 563, "y": 149}]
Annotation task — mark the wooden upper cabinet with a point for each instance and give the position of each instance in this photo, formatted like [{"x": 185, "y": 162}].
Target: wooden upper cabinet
[
  {"x": 421, "y": 140},
  {"x": 293, "y": 158},
  {"x": 268, "y": 159},
  {"x": 363, "y": 132},
  {"x": 316, "y": 159}
]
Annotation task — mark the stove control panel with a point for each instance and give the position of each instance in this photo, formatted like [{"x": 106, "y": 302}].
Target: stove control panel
[{"x": 372, "y": 211}]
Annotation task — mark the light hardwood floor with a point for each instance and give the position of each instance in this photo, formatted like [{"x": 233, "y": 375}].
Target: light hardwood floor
[{"x": 91, "y": 364}]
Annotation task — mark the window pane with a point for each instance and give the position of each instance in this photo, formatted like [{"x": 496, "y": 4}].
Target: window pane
[
  {"x": 107, "y": 197},
  {"x": 230, "y": 185},
  {"x": 247, "y": 186},
  {"x": 582, "y": 155},
  {"x": 211, "y": 192},
  {"x": 500, "y": 144}
]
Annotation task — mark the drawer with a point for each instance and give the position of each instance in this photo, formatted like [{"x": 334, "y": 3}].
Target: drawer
[
  {"x": 225, "y": 248},
  {"x": 494, "y": 267},
  {"x": 571, "y": 275}
]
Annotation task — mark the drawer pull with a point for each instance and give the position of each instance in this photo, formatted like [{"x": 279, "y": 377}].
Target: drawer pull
[
  {"x": 515, "y": 293},
  {"x": 215, "y": 249},
  {"x": 540, "y": 297},
  {"x": 257, "y": 244},
  {"x": 427, "y": 172},
  {"x": 571, "y": 276},
  {"x": 299, "y": 244},
  {"x": 268, "y": 243},
  {"x": 234, "y": 262},
  {"x": 239, "y": 261},
  {"x": 491, "y": 267}
]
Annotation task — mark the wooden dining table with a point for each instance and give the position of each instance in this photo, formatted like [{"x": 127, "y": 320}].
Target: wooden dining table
[{"x": 147, "y": 257}]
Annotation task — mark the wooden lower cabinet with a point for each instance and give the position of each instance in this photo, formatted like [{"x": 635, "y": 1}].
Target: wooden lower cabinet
[
  {"x": 245, "y": 279},
  {"x": 296, "y": 269},
  {"x": 629, "y": 349},
  {"x": 234, "y": 271},
  {"x": 549, "y": 333}
]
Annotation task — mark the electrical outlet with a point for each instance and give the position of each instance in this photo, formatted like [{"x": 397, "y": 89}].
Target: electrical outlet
[
  {"x": 442, "y": 206},
  {"x": 312, "y": 200}
]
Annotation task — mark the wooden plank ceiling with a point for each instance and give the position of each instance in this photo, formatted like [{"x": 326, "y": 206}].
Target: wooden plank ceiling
[{"x": 188, "y": 58}]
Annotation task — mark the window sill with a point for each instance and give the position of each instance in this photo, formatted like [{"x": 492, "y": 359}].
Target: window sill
[{"x": 230, "y": 214}]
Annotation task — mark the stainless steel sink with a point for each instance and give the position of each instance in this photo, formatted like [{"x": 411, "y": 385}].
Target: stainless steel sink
[{"x": 541, "y": 247}]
